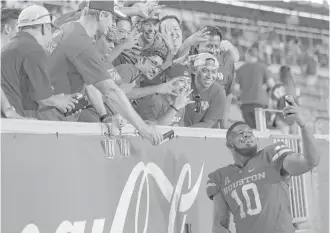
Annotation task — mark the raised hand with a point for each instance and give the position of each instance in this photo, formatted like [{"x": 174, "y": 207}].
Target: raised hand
[
  {"x": 183, "y": 100},
  {"x": 132, "y": 40},
  {"x": 293, "y": 112},
  {"x": 186, "y": 60},
  {"x": 198, "y": 37},
  {"x": 183, "y": 60},
  {"x": 169, "y": 88}
]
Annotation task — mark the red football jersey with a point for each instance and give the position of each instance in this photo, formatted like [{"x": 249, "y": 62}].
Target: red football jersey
[{"x": 257, "y": 194}]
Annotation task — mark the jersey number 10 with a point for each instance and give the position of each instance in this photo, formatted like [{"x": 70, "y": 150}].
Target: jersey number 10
[{"x": 250, "y": 211}]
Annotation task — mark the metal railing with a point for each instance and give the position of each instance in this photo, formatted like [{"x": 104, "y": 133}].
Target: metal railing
[
  {"x": 298, "y": 193},
  {"x": 261, "y": 120}
]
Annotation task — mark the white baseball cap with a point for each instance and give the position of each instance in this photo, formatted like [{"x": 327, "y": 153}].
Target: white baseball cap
[
  {"x": 34, "y": 15},
  {"x": 202, "y": 60}
]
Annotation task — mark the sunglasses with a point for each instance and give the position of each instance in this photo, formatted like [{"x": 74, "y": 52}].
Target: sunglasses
[{"x": 154, "y": 63}]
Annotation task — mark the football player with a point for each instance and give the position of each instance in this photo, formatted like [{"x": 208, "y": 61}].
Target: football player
[{"x": 255, "y": 189}]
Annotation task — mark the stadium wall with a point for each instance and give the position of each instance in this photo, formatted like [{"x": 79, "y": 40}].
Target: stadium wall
[{"x": 56, "y": 178}]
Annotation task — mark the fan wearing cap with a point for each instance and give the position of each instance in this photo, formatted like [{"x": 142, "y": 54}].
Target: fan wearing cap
[
  {"x": 8, "y": 24},
  {"x": 149, "y": 28},
  {"x": 210, "y": 96},
  {"x": 147, "y": 23},
  {"x": 168, "y": 109},
  {"x": 71, "y": 16},
  {"x": 25, "y": 76},
  {"x": 74, "y": 61},
  {"x": 104, "y": 42},
  {"x": 75, "y": 64},
  {"x": 227, "y": 55},
  {"x": 9, "y": 18}
]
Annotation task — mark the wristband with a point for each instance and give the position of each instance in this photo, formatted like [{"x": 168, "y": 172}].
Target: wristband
[
  {"x": 174, "y": 108},
  {"x": 102, "y": 118}
]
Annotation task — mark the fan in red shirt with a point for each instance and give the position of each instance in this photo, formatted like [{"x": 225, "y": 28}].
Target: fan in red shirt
[
  {"x": 255, "y": 188},
  {"x": 227, "y": 54},
  {"x": 75, "y": 64},
  {"x": 209, "y": 96}
]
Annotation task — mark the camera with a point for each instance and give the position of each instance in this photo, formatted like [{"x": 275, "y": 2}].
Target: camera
[{"x": 198, "y": 103}]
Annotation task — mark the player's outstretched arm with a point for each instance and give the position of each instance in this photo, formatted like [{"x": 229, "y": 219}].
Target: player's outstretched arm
[
  {"x": 221, "y": 214},
  {"x": 297, "y": 164}
]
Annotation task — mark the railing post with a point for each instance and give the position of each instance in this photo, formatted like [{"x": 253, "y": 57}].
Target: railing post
[{"x": 260, "y": 119}]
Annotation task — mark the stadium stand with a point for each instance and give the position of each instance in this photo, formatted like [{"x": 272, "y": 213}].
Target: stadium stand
[{"x": 241, "y": 21}]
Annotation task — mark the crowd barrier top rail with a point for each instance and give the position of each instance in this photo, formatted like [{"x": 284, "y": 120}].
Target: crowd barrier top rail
[{"x": 95, "y": 129}]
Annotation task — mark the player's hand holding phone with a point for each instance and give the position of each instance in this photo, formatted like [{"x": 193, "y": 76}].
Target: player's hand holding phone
[{"x": 292, "y": 111}]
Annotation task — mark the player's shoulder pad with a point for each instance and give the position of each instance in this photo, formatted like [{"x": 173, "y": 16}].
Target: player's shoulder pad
[
  {"x": 213, "y": 183},
  {"x": 277, "y": 151},
  {"x": 216, "y": 181}
]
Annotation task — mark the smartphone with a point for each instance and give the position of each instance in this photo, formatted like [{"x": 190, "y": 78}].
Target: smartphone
[
  {"x": 168, "y": 136},
  {"x": 82, "y": 103},
  {"x": 287, "y": 99}
]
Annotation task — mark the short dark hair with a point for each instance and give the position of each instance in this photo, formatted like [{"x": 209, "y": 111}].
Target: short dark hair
[
  {"x": 9, "y": 14},
  {"x": 171, "y": 17},
  {"x": 232, "y": 127},
  {"x": 215, "y": 31},
  {"x": 125, "y": 19}
]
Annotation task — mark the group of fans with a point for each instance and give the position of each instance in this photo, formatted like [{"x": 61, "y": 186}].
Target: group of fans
[
  {"x": 126, "y": 60},
  {"x": 106, "y": 62}
]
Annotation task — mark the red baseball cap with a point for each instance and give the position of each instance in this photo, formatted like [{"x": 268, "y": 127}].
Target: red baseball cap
[
  {"x": 106, "y": 6},
  {"x": 178, "y": 70}
]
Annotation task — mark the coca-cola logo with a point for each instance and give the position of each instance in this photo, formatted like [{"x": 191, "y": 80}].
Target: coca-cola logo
[{"x": 179, "y": 202}]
